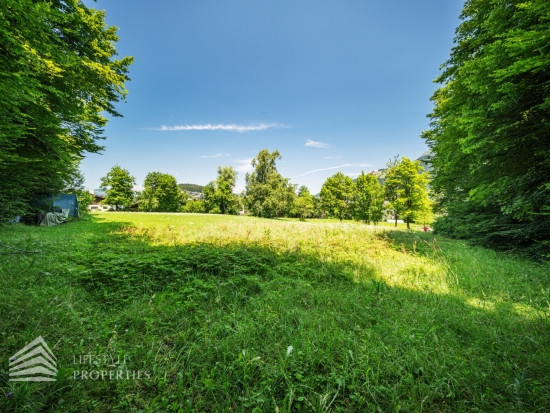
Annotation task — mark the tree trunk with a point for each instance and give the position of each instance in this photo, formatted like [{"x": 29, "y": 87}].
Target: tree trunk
[
  {"x": 408, "y": 226},
  {"x": 395, "y": 219}
]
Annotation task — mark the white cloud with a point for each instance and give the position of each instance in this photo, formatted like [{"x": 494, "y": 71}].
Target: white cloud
[
  {"x": 332, "y": 157},
  {"x": 138, "y": 188},
  {"x": 346, "y": 165},
  {"x": 244, "y": 165},
  {"x": 229, "y": 127},
  {"x": 315, "y": 144},
  {"x": 215, "y": 156}
]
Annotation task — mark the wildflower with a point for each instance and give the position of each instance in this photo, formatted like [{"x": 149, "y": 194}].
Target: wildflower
[
  {"x": 9, "y": 394},
  {"x": 289, "y": 350}
]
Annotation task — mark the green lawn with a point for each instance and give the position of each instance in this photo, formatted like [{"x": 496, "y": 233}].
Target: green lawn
[{"x": 239, "y": 314}]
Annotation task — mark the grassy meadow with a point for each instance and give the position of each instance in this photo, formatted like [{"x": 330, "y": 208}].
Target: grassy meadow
[{"x": 239, "y": 314}]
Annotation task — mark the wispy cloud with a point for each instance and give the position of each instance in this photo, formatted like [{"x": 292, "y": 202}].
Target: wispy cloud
[
  {"x": 216, "y": 155},
  {"x": 346, "y": 165},
  {"x": 315, "y": 144},
  {"x": 244, "y": 165},
  {"x": 228, "y": 127},
  {"x": 332, "y": 157}
]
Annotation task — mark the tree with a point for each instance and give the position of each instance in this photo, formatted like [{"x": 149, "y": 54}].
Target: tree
[
  {"x": 489, "y": 130},
  {"x": 218, "y": 194},
  {"x": 304, "y": 204},
  {"x": 225, "y": 184},
  {"x": 369, "y": 198},
  {"x": 161, "y": 193},
  {"x": 195, "y": 207},
  {"x": 281, "y": 197},
  {"x": 268, "y": 194},
  {"x": 59, "y": 75},
  {"x": 337, "y": 195},
  {"x": 118, "y": 184},
  {"x": 74, "y": 184},
  {"x": 407, "y": 189},
  {"x": 209, "y": 192}
]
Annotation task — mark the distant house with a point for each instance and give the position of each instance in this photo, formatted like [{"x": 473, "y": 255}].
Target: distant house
[
  {"x": 195, "y": 196},
  {"x": 96, "y": 205}
]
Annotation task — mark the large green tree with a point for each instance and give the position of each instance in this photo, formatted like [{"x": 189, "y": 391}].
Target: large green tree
[
  {"x": 268, "y": 194},
  {"x": 337, "y": 195},
  {"x": 58, "y": 76},
  {"x": 161, "y": 193},
  {"x": 490, "y": 130},
  {"x": 219, "y": 194},
  {"x": 369, "y": 198},
  {"x": 406, "y": 189},
  {"x": 118, "y": 184},
  {"x": 304, "y": 204}
]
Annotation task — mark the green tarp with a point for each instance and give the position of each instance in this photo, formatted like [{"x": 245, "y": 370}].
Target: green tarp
[{"x": 55, "y": 218}]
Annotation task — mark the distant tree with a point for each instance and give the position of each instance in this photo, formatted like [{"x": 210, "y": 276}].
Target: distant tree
[
  {"x": 268, "y": 194},
  {"x": 337, "y": 195},
  {"x": 407, "y": 189},
  {"x": 225, "y": 184},
  {"x": 74, "y": 184},
  {"x": 209, "y": 192},
  {"x": 190, "y": 187},
  {"x": 148, "y": 201},
  {"x": 161, "y": 193},
  {"x": 118, "y": 185},
  {"x": 218, "y": 194},
  {"x": 369, "y": 198},
  {"x": 193, "y": 206},
  {"x": 280, "y": 199},
  {"x": 304, "y": 204},
  {"x": 84, "y": 199}
]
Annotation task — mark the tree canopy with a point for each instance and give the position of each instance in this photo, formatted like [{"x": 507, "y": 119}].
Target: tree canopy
[
  {"x": 161, "y": 193},
  {"x": 59, "y": 74},
  {"x": 268, "y": 194},
  {"x": 369, "y": 198},
  {"x": 337, "y": 195},
  {"x": 490, "y": 129},
  {"x": 118, "y": 184},
  {"x": 406, "y": 189},
  {"x": 219, "y": 195}
]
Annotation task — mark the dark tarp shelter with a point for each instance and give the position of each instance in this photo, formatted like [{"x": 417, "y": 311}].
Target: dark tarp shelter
[{"x": 65, "y": 201}]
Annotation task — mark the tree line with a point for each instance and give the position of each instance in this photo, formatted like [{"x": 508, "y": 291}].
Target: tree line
[
  {"x": 490, "y": 129},
  {"x": 403, "y": 195}
]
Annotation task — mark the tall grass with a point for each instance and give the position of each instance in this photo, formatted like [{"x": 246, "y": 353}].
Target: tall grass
[{"x": 251, "y": 315}]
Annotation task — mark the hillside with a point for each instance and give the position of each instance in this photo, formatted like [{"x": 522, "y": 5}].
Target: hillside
[{"x": 191, "y": 187}]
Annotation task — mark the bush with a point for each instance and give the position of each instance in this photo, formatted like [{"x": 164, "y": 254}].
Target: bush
[{"x": 194, "y": 207}]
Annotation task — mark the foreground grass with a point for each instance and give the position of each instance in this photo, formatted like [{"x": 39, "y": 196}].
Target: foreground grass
[{"x": 237, "y": 314}]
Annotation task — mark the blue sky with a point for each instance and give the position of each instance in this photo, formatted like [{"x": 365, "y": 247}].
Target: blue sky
[{"x": 333, "y": 85}]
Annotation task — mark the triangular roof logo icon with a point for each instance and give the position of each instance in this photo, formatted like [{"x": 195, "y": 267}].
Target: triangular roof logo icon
[{"x": 34, "y": 362}]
